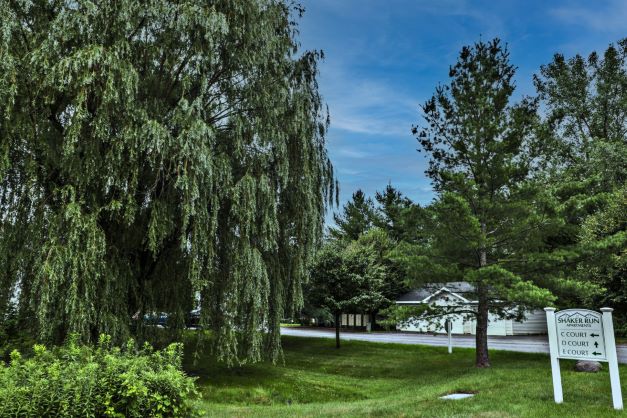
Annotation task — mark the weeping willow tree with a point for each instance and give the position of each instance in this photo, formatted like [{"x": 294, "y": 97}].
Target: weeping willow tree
[{"x": 154, "y": 156}]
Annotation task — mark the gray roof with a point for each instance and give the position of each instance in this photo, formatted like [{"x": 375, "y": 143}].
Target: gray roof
[{"x": 430, "y": 288}]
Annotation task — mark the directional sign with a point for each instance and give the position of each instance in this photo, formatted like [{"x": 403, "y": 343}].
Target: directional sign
[{"x": 580, "y": 335}]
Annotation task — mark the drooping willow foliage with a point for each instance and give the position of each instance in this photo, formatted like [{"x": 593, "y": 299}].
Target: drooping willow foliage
[{"x": 155, "y": 155}]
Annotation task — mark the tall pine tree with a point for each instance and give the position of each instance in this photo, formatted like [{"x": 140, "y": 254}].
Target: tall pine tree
[
  {"x": 485, "y": 218},
  {"x": 394, "y": 213},
  {"x": 357, "y": 217}
]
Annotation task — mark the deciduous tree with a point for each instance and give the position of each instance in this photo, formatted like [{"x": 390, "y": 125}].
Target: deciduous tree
[
  {"x": 346, "y": 279},
  {"x": 158, "y": 154}
]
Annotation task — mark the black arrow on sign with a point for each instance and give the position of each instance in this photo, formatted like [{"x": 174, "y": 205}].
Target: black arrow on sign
[
  {"x": 596, "y": 344},
  {"x": 594, "y": 335},
  {"x": 596, "y": 354}
]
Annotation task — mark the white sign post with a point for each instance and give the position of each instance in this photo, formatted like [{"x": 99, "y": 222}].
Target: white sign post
[
  {"x": 612, "y": 358},
  {"x": 555, "y": 363},
  {"x": 449, "y": 330},
  {"x": 581, "y": 334}
]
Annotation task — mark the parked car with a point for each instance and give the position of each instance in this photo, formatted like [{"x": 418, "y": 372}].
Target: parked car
[
  {"x": 156, "y": 319},
  {"x": 193, "y": 319},
  {"x": 160, "y": 319}
]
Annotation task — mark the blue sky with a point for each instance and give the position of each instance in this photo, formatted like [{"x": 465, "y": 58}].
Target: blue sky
[{"x": 383, "y": 58}]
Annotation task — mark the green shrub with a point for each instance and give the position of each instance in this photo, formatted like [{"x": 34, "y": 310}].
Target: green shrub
[{"x": 73, "y": 381}]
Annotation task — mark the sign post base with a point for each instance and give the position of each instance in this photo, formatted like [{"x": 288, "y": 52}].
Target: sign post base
[
  {"x": 612, "y": 359},
  {"x": 555, "y": 362},
  {"x": 449, "y": 330}
]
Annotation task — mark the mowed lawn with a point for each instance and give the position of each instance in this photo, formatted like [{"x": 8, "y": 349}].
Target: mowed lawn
[{"x": 375, "y": 379}]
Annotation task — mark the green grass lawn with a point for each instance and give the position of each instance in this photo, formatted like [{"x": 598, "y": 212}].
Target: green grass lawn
[{"x": 374, "y": 379}]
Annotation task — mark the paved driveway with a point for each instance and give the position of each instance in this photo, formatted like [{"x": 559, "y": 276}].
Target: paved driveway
[{"x": 525, "y": 344}]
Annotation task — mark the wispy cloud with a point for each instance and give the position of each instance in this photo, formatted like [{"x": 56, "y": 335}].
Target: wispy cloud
[
  {"x": 352, "y": 153},
  {"x": 366, "y": 124},
  {"x": 604, "y": 17},
  {"x": 359, "y": 76},
  {"x": 368, "y": 106},
  {"x": 375, "y": 11},
  {"x": 348, "y": 171}
]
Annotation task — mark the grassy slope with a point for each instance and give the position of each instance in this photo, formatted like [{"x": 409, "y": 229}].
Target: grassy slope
[{"x": 375, "y": 379}]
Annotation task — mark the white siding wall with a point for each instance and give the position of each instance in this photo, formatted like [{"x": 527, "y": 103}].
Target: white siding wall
[
  {"x": 354, "y": 320},
  {"x": 534, "y": 324},
  {"x": 496, "y": 326},
  {"x": 510, "y": 328}
]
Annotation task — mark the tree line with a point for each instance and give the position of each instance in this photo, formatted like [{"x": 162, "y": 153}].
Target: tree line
[{"x": 530, "y": 204}]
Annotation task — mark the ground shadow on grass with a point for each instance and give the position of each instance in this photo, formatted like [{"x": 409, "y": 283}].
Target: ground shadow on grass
[
  {"x": 286, "y": 382},
  {"x": 364, "y": 378},
  {"x": 315, "y": 371},
  {"x": 358, "y": 359}
]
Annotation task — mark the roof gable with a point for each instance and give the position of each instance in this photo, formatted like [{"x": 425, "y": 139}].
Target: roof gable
[
  {"x": 447, "y": 291},
  {"x": 459, "y": 290}
]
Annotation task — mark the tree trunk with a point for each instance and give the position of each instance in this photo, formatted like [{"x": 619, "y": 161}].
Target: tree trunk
[
  {"x": 481, "y": 343},
  {"x": 373, "y": 315},
  {"x": 481, "y": 338},
  {"x": 337, "y": 330}
]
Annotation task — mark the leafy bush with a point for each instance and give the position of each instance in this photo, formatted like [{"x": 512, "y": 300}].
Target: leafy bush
[{"x": 73, "y": 380}]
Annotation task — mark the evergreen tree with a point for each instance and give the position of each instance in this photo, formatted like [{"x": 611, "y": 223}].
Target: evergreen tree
[
  {"x": 357, "y": 217},
  {"x": 376, "y": 230},
  {"x": 153, "y": 153},
  {"x": 586, "y": 131},
  {"x": 395, "y": 213},
  {"x": 486, "y": 217},
  {"x": 586, "y": 103},
  {"x": 604, "y": 241}
]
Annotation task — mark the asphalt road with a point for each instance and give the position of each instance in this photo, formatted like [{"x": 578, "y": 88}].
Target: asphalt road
[{"x": 523, "y": 344}]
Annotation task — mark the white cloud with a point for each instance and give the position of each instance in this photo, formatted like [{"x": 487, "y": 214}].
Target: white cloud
[
  {"x": 610, "y": 18},
  {"x": 365, "y": 124},
  {"x": 348, "y": 171},
  {"x": 352, "y": 153},
  {"x": 368, "y": 106}
]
